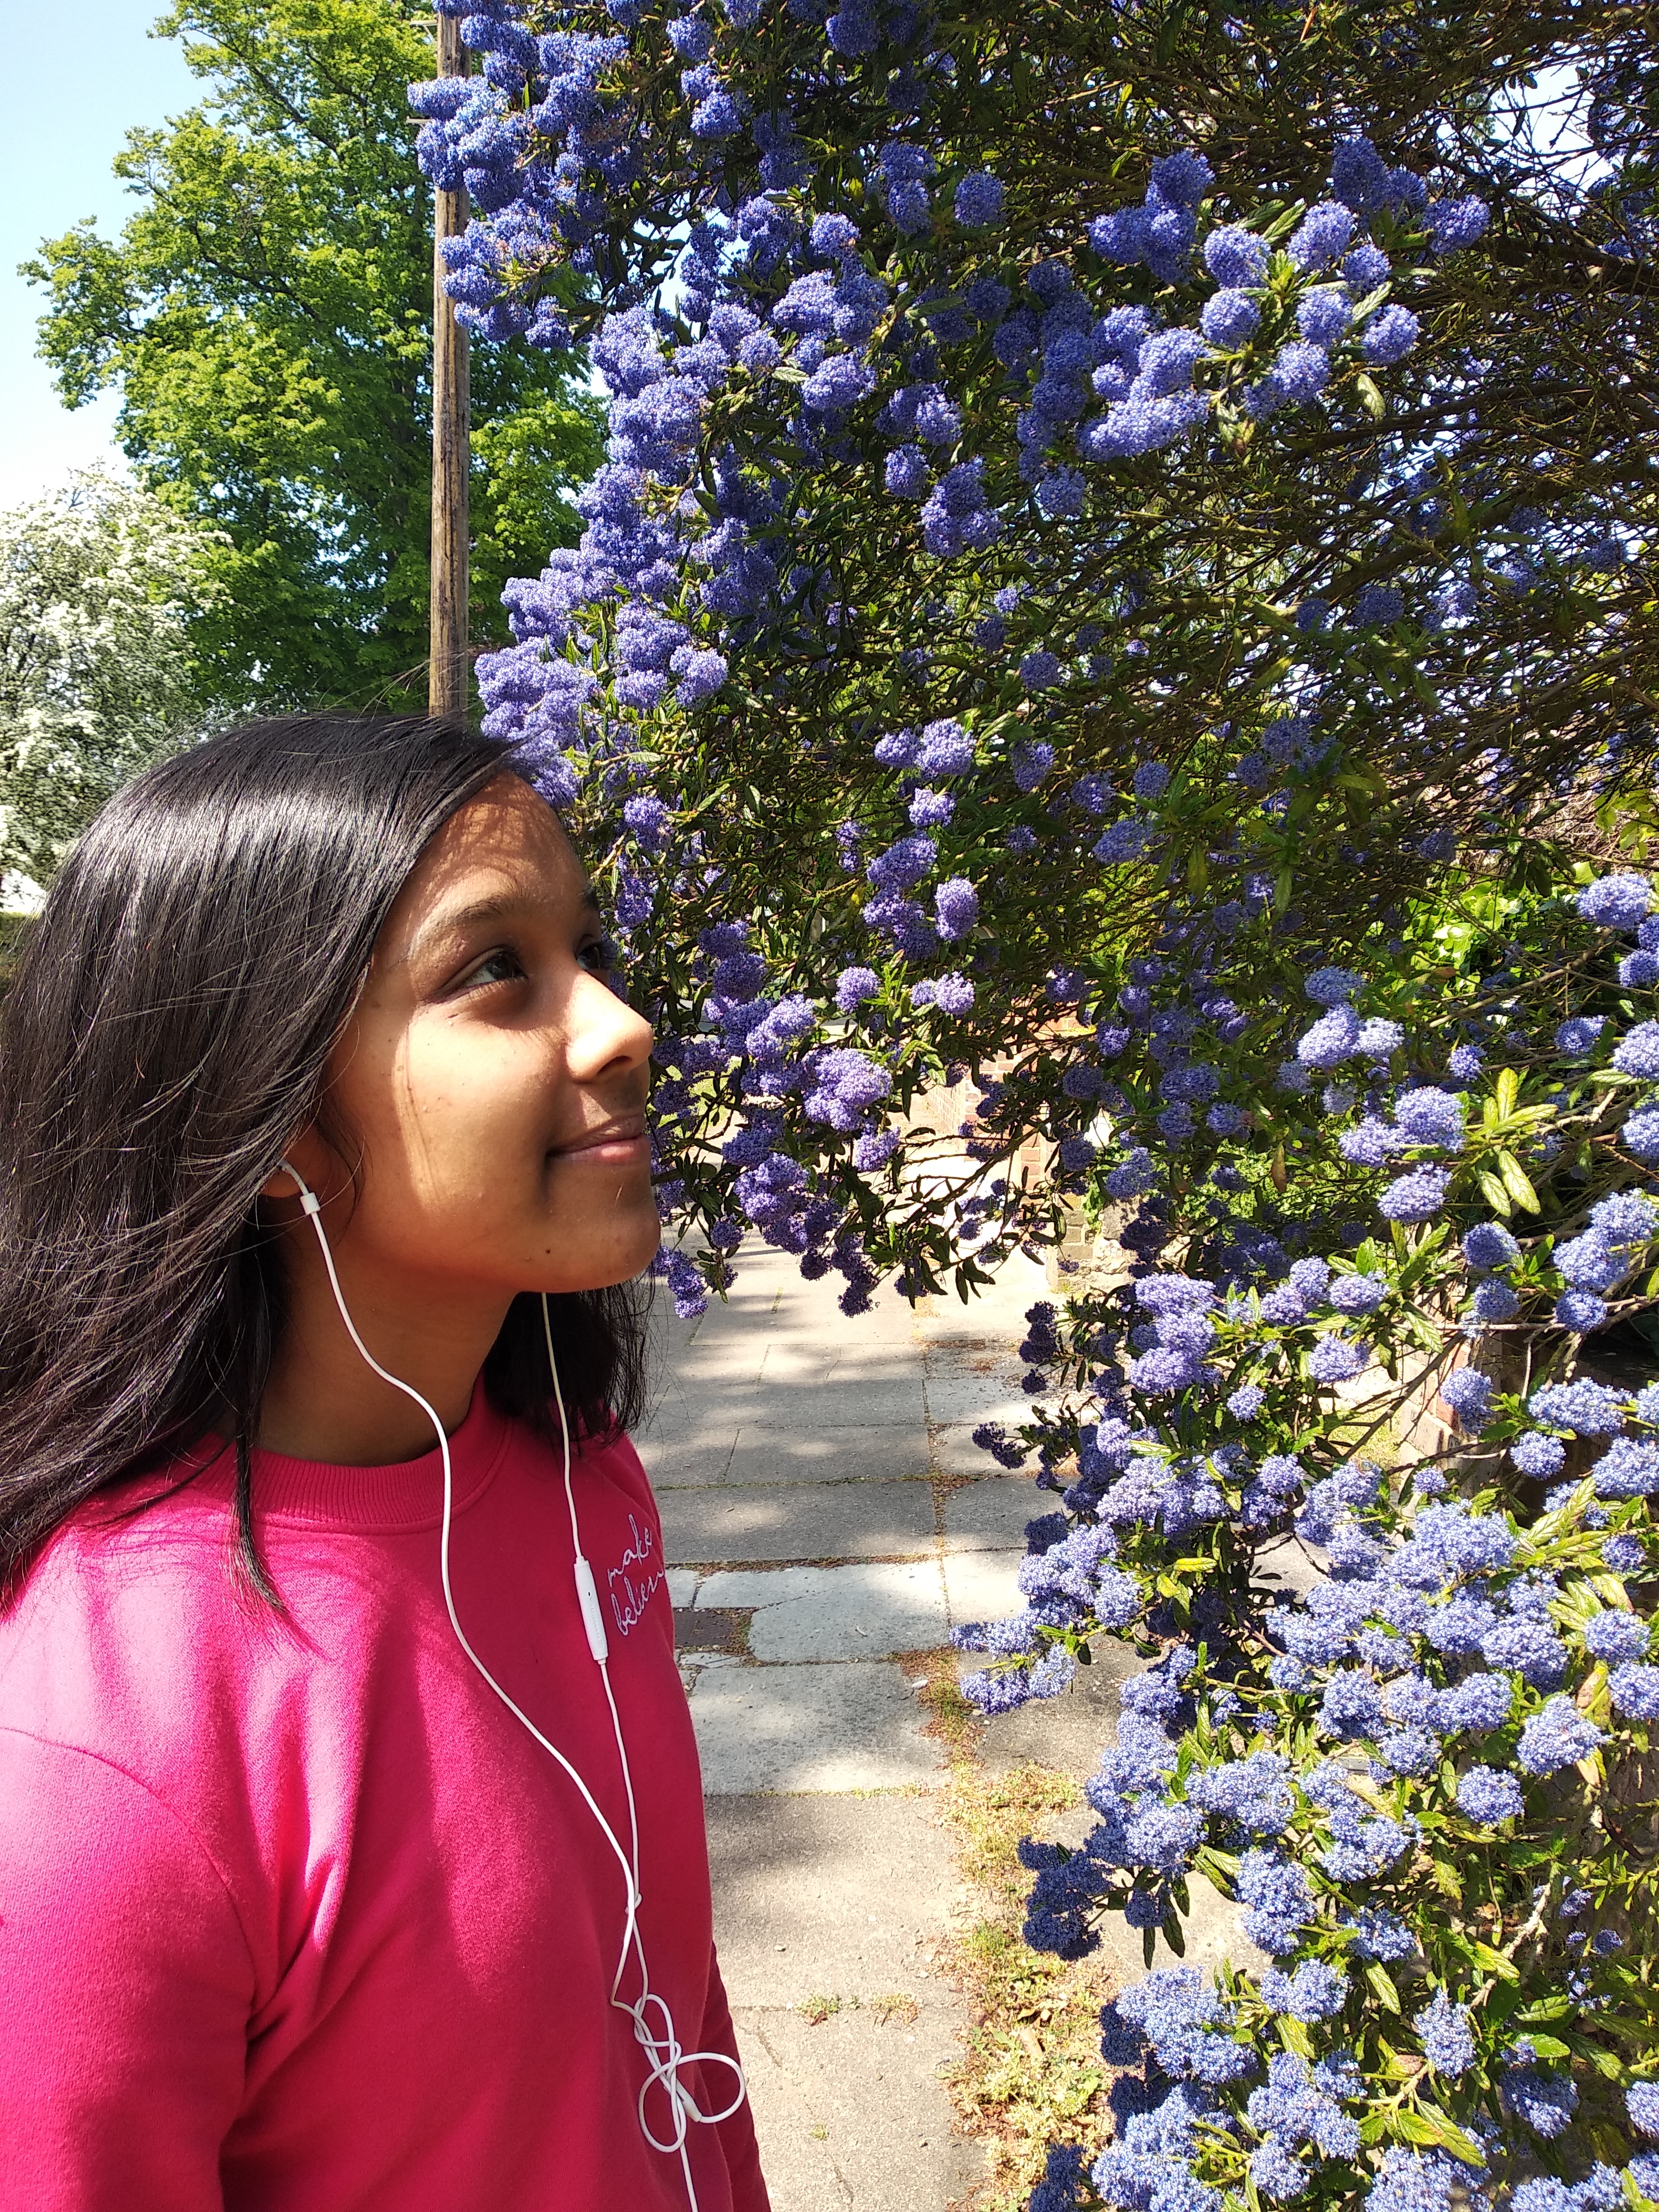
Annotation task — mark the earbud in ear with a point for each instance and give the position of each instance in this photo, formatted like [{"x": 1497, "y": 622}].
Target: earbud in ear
[{"x": 308, "y": 1198}]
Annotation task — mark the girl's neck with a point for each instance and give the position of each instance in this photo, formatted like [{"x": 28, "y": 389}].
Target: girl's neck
[{"x": 323, "y": 1402}]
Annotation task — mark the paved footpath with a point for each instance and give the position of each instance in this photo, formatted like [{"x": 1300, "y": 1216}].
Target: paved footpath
[{"x": 824, "y": 1510}]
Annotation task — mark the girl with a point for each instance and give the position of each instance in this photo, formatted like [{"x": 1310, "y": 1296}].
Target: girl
[{"x": 351, "y": 1838}]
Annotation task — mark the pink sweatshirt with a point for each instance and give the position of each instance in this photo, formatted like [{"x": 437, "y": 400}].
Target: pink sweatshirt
[{"x": 295, "y": 1917}]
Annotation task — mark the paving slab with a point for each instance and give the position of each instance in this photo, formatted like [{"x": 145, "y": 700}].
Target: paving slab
[
  {"x": 784, "y": 1437},
  {"x": 761, "y": 1435},
  {"x": 869, "y": 1340},
  {"x": 755, "y": 1585},
  {"x": 841, "y": 1725},
  {"x": 676, "y": 1460},
  {"x": 955, "y": 1452},
  {"x": 772, "y": 1453},
  {"x": 965, "y": 1400},
  {"x": 996, "y": 1316},
  {"x": 846, "y": 1520},
  {"x": 991, "y": 1515},
  {"x": 827, "y": 1895},
  {"x": 829, "y": 1398},
  {"x": 802, "y": 2172},
  {"x": 701, "y": 1398},
  {"x": 982, "y": 1585},
  {"x": 679, "y": 1345},
  {"x": 1290, "y": 1566},
  {"x": 851, "y": 2114},
  {"x": 854, "y": 1612}
]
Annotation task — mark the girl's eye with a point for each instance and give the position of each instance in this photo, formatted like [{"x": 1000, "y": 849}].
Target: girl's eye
[
  {"x": 501, "y": 966},
  {"x": 599, "y": 956}
]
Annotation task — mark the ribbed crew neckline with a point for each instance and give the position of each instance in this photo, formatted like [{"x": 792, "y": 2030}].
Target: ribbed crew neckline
[{"x": 407, "y": 1494}]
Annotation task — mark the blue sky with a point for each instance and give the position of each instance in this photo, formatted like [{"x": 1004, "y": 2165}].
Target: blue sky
[{"x": 63, "y": 131}]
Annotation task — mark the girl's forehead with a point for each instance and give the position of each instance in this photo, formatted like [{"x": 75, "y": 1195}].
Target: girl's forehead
[
  {"x": 506, "y": 823},
  {"x": 507, "y": 829},
  {"x": 505, "y": 847}
]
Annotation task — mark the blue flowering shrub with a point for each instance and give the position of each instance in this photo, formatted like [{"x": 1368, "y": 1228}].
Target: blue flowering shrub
[
  {"x": 970, "y": 556},
  {"x": 1122, "y": 572},
  {"x": 1426, "y": 1782}
]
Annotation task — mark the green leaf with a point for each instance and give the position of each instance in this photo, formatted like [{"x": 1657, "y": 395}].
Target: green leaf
[
  {"x": 1407, "y": 2126},
  {"x": 1494, "y": 1962},
  {"x": 1494, "y": 1193},
  {"x": 1556, "y": 2006},
  {"x": 1450, "y": 2136},
  {"x": 1516, "y": 1182},
  {"x": 1448, "y": 1879},
  {"x": 1370, "y": 398},
  {"x": 1382, "y": 1987}
]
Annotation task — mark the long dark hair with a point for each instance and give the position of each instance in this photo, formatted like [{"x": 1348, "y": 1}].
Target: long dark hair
[{"x": 167, "y": 1032}]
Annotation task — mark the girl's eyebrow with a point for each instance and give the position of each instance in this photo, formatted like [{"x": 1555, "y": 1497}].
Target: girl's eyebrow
[{"x": 505, "y": 907}]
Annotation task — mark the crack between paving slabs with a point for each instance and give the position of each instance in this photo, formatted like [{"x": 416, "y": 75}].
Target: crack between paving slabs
[
  {"x": 811, "y": 1482},
  {"x": 706, "y": 1567}
]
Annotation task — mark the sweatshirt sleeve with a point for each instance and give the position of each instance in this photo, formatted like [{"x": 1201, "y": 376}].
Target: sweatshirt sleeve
[
  {"x": 125, "y": 1988},
  {"x": 737, "y": 2134}
]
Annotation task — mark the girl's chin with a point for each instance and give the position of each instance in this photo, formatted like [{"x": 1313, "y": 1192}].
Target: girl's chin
[{"x": 613, "y": 1257}]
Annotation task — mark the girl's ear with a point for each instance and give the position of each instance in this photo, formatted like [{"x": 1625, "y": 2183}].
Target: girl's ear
[
  {"x": 280, "y": 1185},
  {"x": 312, "y": 1159}
]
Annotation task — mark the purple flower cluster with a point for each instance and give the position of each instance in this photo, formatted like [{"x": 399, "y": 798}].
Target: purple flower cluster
[
  {"x": 1180, "y": 1333},
  {"x": 1619, "y": 1231},
  {"x": 1616, "y": 902}
]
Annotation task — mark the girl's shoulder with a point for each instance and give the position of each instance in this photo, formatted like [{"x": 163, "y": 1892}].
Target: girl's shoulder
[
  {"x": 136, "y": 1659},
  {"x": 134, "y": 1610}
]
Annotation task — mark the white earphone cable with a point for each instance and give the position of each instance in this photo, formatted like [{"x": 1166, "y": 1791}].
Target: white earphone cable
[{"x": 653, "y": 2021}]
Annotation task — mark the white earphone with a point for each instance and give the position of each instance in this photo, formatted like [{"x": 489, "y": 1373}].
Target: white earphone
[{"x": 654, "y": 2023}]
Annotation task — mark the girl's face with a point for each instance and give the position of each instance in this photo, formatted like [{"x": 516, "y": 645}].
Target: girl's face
[{"x": 495, "y": 1082}]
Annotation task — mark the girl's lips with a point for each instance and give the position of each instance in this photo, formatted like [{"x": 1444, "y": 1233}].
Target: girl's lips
[
  {"x": 611, "y": 1151},
  {"x": 615, "y": 1152}
]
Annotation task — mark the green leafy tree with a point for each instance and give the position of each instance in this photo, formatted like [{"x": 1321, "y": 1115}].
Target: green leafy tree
[{"x": 265, "y": 316}]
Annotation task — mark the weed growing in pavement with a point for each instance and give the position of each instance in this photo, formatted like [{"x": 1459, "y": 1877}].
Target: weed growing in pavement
[
  {"x": 951, "y": 1721},
  {"x": 1031, "y": 2071}
]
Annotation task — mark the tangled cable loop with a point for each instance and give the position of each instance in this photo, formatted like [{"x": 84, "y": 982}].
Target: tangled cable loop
[{"x": 666, "y": 2057}]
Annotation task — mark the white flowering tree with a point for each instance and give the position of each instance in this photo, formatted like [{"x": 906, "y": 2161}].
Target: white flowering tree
[{"x": 97, "y": 584}]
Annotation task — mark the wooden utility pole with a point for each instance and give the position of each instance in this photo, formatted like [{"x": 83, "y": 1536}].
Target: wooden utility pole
[{"x": 451, "y": 438}]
